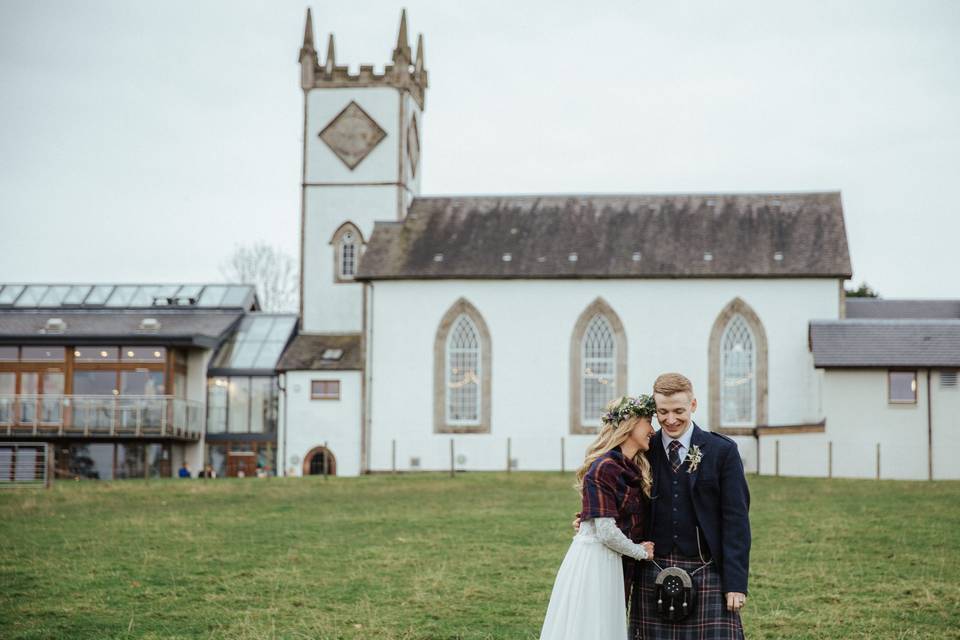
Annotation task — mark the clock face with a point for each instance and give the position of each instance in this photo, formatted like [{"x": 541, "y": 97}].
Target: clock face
[
  {"x": 413, "y": 145},
  {"x": 352, "y": 135}
]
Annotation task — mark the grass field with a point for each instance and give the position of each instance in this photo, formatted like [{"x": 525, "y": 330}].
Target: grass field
[{"x": 430, "y": 557}]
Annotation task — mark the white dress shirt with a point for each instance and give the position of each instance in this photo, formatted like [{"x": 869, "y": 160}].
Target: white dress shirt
[{"x": 684, "y": 441}]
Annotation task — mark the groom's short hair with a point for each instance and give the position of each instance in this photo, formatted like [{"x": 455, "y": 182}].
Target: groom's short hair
[{"x": 670, "y": 383}]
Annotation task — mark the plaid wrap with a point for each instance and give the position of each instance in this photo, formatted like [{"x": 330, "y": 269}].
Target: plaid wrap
[
  {"x": 710, "y": 619},
  {"x": 613, "y": 488}
]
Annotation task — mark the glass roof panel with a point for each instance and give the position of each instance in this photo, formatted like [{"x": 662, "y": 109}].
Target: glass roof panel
[
  {"x": 54, "y": 296},
  {"x": 31, "y": 295},
  {"x": 77, "y": 294},
  {"x": 245, "y": 355},
  {"x": 282, "y": 327},
  {"x": 257, "y": 344},
  {"x": 189, "y": 291},
  {"x": 211, "y": 296},
  {"x": 236, "y": 296},
  {"x": 121, "y": 296},
  {"x": 99, "y": 294},
  {"x": 10, "y": 293}
]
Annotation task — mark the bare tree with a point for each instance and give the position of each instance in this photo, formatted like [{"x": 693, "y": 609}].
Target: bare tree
[{"x": 270, "y": 269}]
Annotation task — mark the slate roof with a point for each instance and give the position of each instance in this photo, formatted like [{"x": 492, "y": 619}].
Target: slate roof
[
  {"x": 185, "y": 328},
  {"x": 885, "y": 343},
  {"x": 610, "y": 236},
  {"x": 306, "y": 350},
  {"x": 904, "y": 309}
]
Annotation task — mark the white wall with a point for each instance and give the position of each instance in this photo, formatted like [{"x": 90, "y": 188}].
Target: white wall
[
  {"x": 380, "y": 187},
  {"x": 197, "y": 361},
  {"x": 667, "y": 322},
  {"x": 859, "y": 417},
  {"x": 311, "y": 423}
]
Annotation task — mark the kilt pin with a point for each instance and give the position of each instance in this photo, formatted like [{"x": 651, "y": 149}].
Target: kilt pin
[{"x": 699, "y": 512}]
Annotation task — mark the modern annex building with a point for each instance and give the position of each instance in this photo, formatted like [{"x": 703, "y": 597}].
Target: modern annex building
[{"x": 482, "y": 333}]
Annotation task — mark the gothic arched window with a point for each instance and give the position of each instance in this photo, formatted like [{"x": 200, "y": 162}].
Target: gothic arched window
[
  {"x": 738, "y": 375},
  {"x": 738, "y": 368},
  {"x": 598, "y": 350},
  {"x": 462, "y": 371},
  {"x": 462, "y": 383},
  {"x": 347, "y": 246}
]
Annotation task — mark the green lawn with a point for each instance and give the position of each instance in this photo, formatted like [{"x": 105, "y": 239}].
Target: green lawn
[{"x": 427, "y": 556}]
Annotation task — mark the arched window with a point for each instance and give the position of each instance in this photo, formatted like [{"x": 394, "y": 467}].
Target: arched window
[
  {"x": 348, "y": 255},
  {"x": 599, "y": 375},
  {"x": 598, "y": 365},
  {"x": 462, "y": 372},
  {"x": 738, "y": 368},
  {"x": 738, "y": 372},
  {"x": 347, "y": 245}
]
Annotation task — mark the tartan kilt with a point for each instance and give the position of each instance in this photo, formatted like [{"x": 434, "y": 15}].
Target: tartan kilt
[{"x": 710, "y": 619}]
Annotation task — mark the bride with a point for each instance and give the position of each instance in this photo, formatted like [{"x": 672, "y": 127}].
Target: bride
[{"x": 590, "y": 594}]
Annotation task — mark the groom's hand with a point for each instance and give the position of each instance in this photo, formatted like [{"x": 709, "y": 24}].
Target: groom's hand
[
  {"x": 576, "y": 523},
  {"x": 735, "y": 601}
]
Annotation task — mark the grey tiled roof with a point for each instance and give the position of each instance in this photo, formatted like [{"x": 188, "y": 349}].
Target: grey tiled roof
[
  {"x": 196, "y": 328},
  {"x": 306, "y": 350},
  {"x": 885, "y": 343},
  {"x": 881, "y": 308},
  {"x": 635, "y": 236}
]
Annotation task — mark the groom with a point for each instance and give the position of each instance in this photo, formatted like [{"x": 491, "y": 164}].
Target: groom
[{"x": 698, "y": 521}]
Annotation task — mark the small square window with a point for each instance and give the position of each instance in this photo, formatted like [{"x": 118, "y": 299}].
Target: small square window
[
  {"x": 325, "y": 390},
  {"x": 902, "y": 386}
]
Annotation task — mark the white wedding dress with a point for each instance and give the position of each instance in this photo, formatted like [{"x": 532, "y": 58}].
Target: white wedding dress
[{"x": 587, "y": 602}]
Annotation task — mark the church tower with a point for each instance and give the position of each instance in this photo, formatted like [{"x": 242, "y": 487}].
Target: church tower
[{"x": 361, "y": 163}]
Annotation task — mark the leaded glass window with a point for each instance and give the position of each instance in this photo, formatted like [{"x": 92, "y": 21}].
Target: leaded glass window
[
  {"x": 738, "y": 366},
  {"x": 463, "y": 373},
  {"x": 599, "y": 358},
  {"x": 348, "y": 256}
]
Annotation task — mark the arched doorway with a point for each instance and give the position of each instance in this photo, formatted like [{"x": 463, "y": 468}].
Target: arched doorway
[{"x": 316, "y": 459}]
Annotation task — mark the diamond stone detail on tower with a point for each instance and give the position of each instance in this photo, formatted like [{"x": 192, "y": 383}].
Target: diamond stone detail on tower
[{"x": 352, "y": 135}]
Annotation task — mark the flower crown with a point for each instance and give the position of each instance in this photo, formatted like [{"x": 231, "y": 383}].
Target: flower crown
[{"x": 643, "y": 406}]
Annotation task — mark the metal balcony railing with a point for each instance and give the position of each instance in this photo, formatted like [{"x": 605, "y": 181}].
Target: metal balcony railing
[{"x": 83, "y": 415}]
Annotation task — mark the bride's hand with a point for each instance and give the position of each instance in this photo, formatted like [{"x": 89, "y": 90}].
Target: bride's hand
[
  {"x": 649, "y": 547},
  {"x": 576, "y": 524}
]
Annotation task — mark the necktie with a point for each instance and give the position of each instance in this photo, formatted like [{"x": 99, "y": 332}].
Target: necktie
[{"x": 674, "y": 457}]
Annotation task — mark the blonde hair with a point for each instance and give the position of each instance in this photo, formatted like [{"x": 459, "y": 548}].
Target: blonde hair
[
  {"x": 612, "y": 435},
  {"x": 668, "y": 384}
]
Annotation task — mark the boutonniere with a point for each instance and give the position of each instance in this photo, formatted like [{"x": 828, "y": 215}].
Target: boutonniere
[{"x": 694, "y": 456}]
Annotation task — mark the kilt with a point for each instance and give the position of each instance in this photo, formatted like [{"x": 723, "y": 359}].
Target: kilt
[{"x": 710, "y": 619}]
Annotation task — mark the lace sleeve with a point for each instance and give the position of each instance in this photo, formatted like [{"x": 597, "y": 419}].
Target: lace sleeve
[{"x": 608, "y": 533}]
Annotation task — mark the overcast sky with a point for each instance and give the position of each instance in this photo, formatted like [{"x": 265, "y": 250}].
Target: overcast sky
[{"x": 143, "y": 141}]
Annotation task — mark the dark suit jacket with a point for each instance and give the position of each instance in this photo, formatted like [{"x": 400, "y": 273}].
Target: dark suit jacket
[{"x": 721, "y": 501}]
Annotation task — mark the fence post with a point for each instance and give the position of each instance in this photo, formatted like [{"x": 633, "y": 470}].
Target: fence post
[
  {"x": 878, "y": 461},
  {"x": 393, "y": 456},
  {"x": 830, "y": 459},
  {"x": 326, "y": 460},
  {"x": 451, "y": 458},
  {"x": 508, "y": 455},
  {"x": 563, "y": 456},
  {"x": 776, "y": 458}
]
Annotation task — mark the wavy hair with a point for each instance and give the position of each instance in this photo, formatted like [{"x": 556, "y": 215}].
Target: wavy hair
[{"x": 612, "y": 435}]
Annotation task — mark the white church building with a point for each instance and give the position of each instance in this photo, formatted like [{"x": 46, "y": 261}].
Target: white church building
[
  {"x": 482, "y": 333},
  {"x": 487, "y": 333}
]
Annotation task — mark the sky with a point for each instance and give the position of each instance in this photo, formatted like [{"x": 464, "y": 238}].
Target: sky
[{"x": 143, "y": 142}]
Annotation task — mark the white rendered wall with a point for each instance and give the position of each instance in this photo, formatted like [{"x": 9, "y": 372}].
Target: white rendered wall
[
  {"x": 311, "y": 423},
  {"x": 380, "y": 187},
  {"x": 667, "y": 322},
  {"x": 859, "y": 417},
  {"x": 946, "y": 430},
  {"x": 197, "y": 362}
]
